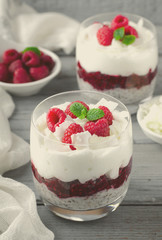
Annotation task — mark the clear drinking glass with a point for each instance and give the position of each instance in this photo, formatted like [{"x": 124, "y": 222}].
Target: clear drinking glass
[
  {"x": 126, "y": 72},
  {"x": 91, "y": 181}
]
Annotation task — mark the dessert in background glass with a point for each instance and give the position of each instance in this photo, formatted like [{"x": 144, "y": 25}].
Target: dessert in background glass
[
  {"x": 81, "y": 153},
  {"x": 118, "y": 55}
]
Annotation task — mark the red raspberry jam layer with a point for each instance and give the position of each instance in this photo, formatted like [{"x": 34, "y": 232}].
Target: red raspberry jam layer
[
  {"x": 103, "y": 81},
  {"x": 77, "y": 189}
]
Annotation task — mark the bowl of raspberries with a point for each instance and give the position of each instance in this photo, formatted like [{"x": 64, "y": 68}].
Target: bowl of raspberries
[{"x": 26, "y": 72}]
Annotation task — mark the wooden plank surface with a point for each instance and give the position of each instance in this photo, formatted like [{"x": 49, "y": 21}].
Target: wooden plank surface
[
  {"x": 133, "y": 223},
  {"x": 140, "y": 214}
]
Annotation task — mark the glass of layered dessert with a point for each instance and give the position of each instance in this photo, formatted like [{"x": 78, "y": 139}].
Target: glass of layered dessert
[
  {"x": 81, "y": 153},
  {"x": 118, "y": 55}
]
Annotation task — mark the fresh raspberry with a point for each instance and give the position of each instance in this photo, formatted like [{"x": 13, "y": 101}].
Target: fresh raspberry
[
  {"x": 4, "y": 73},
  {"x": 42, "y": 53},
  {"x": 31, "y": 59},
  {"x": 48, "y": 61},
  {"x": 99, "y": 128},
  {"x": 15, "y": 65},
  {"x": 119, "y": 21},
  {"x": 131, "y": 31},
  {"x": 10, "y": 55},
  {"x": 68, "y": 112},
  {"x": 38, "y": 73},
  {"x": 108, "y": 115},
  {"x": 55, "y": 117},
  {"x": 105, "y": 35},
  {"x": 72, "y": 129},
  {"x": 21, "y": 76}
]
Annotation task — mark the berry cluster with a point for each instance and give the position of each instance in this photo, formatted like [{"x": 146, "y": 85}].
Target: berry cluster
[
  {"x": 77, "y": 189},
  {"x": 118, "y": 29},
  {"x": 26, "y": 66},
  {"x": 99, "y": 120}
]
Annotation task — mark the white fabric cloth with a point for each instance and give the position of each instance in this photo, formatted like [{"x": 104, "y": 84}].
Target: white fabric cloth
[
  {"x": 19, "y": 219},
  {"x": 18, "y": 213},
  {"x": 14, "y": 151},
  {"x": 19, "y": 22}
]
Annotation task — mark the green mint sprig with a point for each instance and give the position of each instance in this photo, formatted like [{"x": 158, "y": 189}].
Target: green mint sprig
[
  {"x": 95, "y": 114},
  {"x": 119, "y": 34},
  {"x": 80, "y": 111},
  {"x": 33, "y": 49},
  {"x": 128, "y": 39}
]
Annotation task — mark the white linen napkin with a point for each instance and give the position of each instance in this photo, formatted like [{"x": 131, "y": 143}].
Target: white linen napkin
[
  {"x": 21, "y": 23},
  {"x": 19, "y": 219},
  {"x": 14, "y": 151},
  {"x": 18, "y": 213}
]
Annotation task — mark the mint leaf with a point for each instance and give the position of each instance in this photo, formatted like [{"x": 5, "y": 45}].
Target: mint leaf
[
  {"x": 83, "y": 114},
  {"x": 95, "y": 114},
  {"x": 33, "y": 49},
  {"x": 78, "y": 110},
  {"x": 119, "y": 33},
  {"x": 128, "y": 39}
]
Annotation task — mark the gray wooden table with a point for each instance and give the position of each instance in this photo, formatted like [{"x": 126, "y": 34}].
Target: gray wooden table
[{"x": 140, "y": 214}]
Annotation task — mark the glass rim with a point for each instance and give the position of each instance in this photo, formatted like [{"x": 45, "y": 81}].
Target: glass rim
[
  {"x": 153, "y": 27},
  {"x": 70, "y": 92}
]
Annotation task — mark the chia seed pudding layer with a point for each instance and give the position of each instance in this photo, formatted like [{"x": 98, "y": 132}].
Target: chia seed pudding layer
[
  {"x": 92, "y": 194},
  {"x": 100, "y": 199},
  {"x": 128, "y": 89},
  {"x": 125, "y": 95}
]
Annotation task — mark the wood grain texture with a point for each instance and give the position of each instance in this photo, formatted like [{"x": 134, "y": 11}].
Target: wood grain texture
[
  {"x": 133, "y": 223},
  {"x": 140, "y": 215}
]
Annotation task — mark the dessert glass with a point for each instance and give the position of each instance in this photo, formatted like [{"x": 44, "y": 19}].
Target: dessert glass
[
  {"x": 127, "y": 73},
  {"x": 91, "y": 181}
]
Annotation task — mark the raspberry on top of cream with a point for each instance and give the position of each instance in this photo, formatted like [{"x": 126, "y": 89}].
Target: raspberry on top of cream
[
  {"x": 78, "y": 124},
  {"x": 82, "y": 148},
  {"x": 119, "y": 29},
  {"x": 121, "y": 47}
]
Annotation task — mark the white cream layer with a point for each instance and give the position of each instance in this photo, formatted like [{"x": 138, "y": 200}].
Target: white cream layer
[
  {"x": 98, "y": 156},
  {"x": 117, "y": 58}
]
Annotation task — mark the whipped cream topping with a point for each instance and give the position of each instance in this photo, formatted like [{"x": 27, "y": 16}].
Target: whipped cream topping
[
  {"x": 94, "y": 156},
  {"x": 117, "y": 58}
]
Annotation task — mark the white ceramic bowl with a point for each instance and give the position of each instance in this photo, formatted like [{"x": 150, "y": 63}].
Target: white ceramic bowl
[
  {"x": 28, "y": 89},
  {"x": 141, "y": 113}
]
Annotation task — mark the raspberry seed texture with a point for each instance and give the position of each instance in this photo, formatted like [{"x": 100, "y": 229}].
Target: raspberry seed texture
[
  {"x": 55, "y": 117},
  {"x": 72, "y": 129},
  {"x": 105, "y": 35},
  {"x": 108, "y": 115},
  {"x": 99, "y": 128},
  {"x": 119, "y": 21}
]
